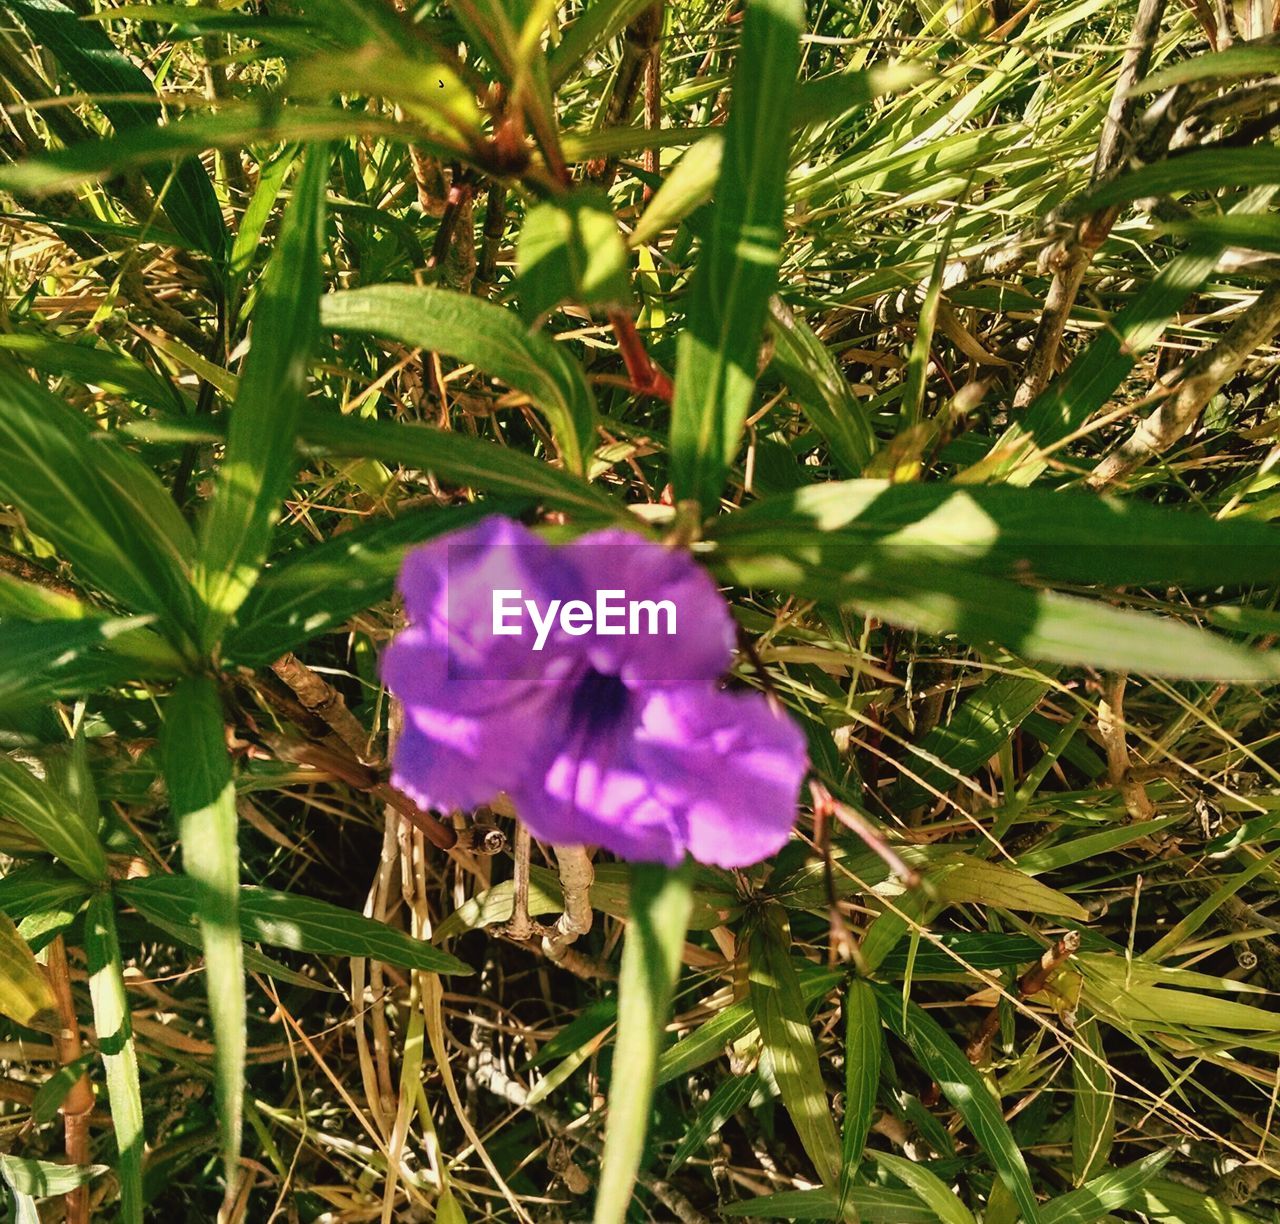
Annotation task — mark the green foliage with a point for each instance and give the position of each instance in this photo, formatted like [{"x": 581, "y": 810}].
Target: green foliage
[{"x": 288, "y": 293}]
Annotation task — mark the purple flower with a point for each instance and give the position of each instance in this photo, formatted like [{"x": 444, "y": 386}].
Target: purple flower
[{"x": 602, "y": 719}]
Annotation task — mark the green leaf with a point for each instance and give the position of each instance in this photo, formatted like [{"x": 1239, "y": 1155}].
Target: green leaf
[
  {"x": 598, "y": 22},
  {"x": 874, "y": 1205},
  {"x": 718, "y": 351},
  {"x": 660, "y": 901},
  {"x": 105, "y": 511},
  {"x": 1032, "y": 534},
  {"x": 1242, "y": 60},
  {"x": 1114, "y": 1190},
  {"x": 1197, "y": 170},
  {"x": 1093, "y": 377},
  {"x": 100, "y": 367},
  {"x": 928, "y": 1187},
  {"x": 570, "y": 250},
  {"x": 972, "y": 882},
  {"x": 979, "y": 728},
  {"x": 301, "y": 924},
  {"x": 99, "y": 68},
  {"x": 25, "y": 994},
  {"x": 315, "y": 590},
  {"x": 1038, "y": 625},
  {"x": 114, "y": 1026},
  {"x": 197, "y": 772},
  {"x": 729, "y": 1097},
  {"x": 862, "y": 1049},
  {"x": 825, "y": 398},
  {"x": 1093, "y": 1111},
  {"x": 941, "y": 1058},
  {"x": 51, "y": 820},
  {"x": 41, "y": 658},
  {"x": 788, "y": 1041},
  {"x": 487, "y": 336},
  {"x": 470, "y": 462},
  {"x": 258, "y": 462},
  {"x": 44, "y": 1178},
  {"x": 713, "y": 903},
  {"x": 233, "y": 126},
  {"x": 39, "y": 888},
  {"x": 51, "y": 1094},
  {"x": 253, "y": 221},
  {"x": 736, "y": 1021}
]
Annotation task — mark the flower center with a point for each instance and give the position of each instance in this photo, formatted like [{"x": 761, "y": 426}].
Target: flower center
[{"x": 598, "y": 701}]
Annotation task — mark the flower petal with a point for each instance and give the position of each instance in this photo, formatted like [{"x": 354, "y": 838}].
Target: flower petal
[
  {"x": 688, "y": 769},
  {"x": 448, "y": 586},
  {"x": 701, "y": 646},
  {"x": 465, "y": 738},
  {"x": 738, "y": 764}
]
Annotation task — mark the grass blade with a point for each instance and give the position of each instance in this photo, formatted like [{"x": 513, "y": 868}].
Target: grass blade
[
  {"x": 112, "y": 1020},
  {"x": 259, "y": 458},
  {"x": 717, "y": 352},
  {"x": 862, "y": 1050},
  {"x": 788, "y": 1041},
  {"x": 489, "y": 337},
  {"x": 107, "y": 513},
  {"x": 660, "y": 901},
  {"x": 197, "y": 772}
]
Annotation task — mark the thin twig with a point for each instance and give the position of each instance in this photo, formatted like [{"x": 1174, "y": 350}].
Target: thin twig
[
  {"x": 78, "y": 1103},
  {"x": 1070, "y": 259},
  {"x": 1191, "y": 389}
]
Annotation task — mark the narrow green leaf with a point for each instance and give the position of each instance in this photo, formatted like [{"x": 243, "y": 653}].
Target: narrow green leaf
[
  {"x": 106, "y": 512},
  {"x": 301, "y": 924},
  {"x": 718, "y": 351},
  {"x": 197, "y": 772},
  {"x": 1197, "y": 170},
  {"x": 54, "y": 822},
  {"x": 874, "y": 1205},
  {"x": 486, "y": 335},
  {"x": 1033, "y": 534},
  {"x": 660, "y": 901},
  {"x": 233, "y": 126},
  {"x": 259, "y": 459},
  {"x": 470, "y": 462},
  {"x": 788, "y": 1041},
  {"x": 253, "y": 221},
  {"x": 977, "y": 883},
  {"x": 118, "y": 373},
  {"x": 98, "y": 67},
  {"x": 1114, "y": 1190},
  {"x": 1093, "y": 1112},
  {"x": 941, "y": 1058},
  {"x": 315, "y": 590},
  {"x": 114, "y": 1026},
  {"x": 928, "y": 1187},
  {"x": 981, "y": 725},
  {"x": 570, "y": 250},
  {"x": 25, "y": 994},
  {"x": 1093, "y": 377},
  {"x": 598, "y": 22},
  {"x": 862, "y": 1049},
  {"x": 44, "y": 1178},
  {"x": 1242, "y": 60},
  {"x": 736, "y": 1021},
  {"x": 802, "y": 361},
  {"x": 729, "y": 1097},
  {"x": 41, "y": 658},
  {"x": 1037, "y": 625},
  {"x": 48, "y": 1100}
]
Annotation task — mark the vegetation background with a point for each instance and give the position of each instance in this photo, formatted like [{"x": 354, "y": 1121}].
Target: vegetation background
[{"x": 942, "y": 330}]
